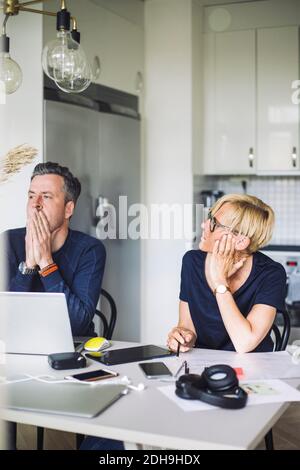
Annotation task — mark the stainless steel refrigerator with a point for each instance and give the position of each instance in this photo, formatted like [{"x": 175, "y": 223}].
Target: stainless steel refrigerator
[{"x": 97, "y": 135}]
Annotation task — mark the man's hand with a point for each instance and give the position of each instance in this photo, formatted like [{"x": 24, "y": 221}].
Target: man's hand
[
  {"x": 185, "y": 337},
  {"x": 41, "y": 236},
  {"x": 223, "y": 262},
  {"x": 30, "y": 259}
]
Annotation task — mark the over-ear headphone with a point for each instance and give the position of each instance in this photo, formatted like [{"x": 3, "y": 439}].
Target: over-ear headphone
[{"x": 217, "y": 385}]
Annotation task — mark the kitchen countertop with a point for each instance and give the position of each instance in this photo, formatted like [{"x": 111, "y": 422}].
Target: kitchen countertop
[{"x": 284, "y": 245}]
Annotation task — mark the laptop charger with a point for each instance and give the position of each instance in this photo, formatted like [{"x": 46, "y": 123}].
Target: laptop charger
[{"x": 68, "y": 360}]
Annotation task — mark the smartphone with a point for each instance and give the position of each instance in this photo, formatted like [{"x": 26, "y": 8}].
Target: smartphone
[
  {"x": 93, "y": 376},
  {"x": 155, "y": 370}
]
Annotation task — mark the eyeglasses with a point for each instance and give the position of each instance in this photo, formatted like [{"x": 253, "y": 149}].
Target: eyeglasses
[{"x": 213, "y": 223}]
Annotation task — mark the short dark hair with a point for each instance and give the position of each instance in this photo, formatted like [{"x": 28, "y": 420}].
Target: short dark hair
[{"x": 72, "y": 186}]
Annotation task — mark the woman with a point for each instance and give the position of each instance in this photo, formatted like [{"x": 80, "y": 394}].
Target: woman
[{"x": 230, "y": 292}]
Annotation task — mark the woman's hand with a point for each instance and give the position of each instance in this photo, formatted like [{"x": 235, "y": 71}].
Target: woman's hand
[
  {"x": 223, "y": 262},
  {"x": 185, "y": 337}
]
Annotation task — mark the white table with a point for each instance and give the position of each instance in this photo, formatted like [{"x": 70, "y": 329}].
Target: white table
[{"x": 151, "y": 419}]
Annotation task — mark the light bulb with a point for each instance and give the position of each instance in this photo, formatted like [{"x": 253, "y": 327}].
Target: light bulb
[
  {"x": 76, "y": 68},
  {"x": 10, "y": 73},
  {"x": 57, "y": 56},
  {"x": 77, "y": 73}
]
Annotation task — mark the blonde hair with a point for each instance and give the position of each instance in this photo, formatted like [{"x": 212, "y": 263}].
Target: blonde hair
[{"x": 250, "y": 217}]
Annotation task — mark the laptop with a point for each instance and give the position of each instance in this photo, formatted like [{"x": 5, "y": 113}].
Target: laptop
[
  {"x": 85, "y": 401},
  {"x": 35, "y": 323}
]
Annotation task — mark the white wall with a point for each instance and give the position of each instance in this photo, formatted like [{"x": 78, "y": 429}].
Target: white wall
[
  {"x": 20, "y": 122},
  {"x": 21, "y": 118},
  {"x": 2, "y": 360},
  {"x": 132, "y": 10},
  {"x": 169, "y": 148}
]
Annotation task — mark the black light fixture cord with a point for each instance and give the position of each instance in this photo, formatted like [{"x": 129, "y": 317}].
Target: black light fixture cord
[{"x": 4, "y": 40}]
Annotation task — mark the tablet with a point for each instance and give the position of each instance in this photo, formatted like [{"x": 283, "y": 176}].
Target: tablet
[{"x": 135, "y": 354}]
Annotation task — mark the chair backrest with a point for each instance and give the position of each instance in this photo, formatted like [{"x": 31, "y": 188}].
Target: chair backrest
[
  {"x": 108, "y": 325},
  {"x": 281, "y": 338}
]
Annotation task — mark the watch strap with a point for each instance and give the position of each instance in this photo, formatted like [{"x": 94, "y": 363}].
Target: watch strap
[{"x": 25, "y": 270}]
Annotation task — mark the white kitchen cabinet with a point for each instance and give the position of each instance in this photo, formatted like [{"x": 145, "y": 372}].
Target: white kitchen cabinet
[
  {"x": 120, "y": 46},
  {"x": 277, "y": 116},
  {"x": 229, "y": 136},
  {"x": 251, "y": 124}
]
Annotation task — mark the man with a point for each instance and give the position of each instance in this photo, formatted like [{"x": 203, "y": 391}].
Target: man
[{"x": 47, "y": 256}]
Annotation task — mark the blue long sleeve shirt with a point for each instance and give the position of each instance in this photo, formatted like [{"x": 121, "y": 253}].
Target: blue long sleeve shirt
[{"x": 81, "y": 262}]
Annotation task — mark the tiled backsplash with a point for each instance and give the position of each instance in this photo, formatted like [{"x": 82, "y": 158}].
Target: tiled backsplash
[{"x": 281, "y": 193}]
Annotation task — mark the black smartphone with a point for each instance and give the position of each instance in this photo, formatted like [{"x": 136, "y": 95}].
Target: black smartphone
[
  {"x": 93, "y": 376},
  {"x": 155, "y": 370}
]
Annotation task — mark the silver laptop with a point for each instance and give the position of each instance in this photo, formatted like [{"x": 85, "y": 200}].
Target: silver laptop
[
  {"x": 67, "y": 399},
  {"x": 35, "y": 323}
]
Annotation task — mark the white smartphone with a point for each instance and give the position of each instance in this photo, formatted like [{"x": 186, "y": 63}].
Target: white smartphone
[
  {"x": 93, "y": 376},
  {"x": 155, "y": 370}
]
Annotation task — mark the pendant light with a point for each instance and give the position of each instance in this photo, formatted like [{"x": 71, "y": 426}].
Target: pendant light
[
  {"x": 63, "y": 59},
  {"x": 78, "y": 73},
  {"x": 10, "y": 71}
]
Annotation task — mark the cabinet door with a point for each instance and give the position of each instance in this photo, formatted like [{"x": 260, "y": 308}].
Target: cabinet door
[
  {"x": 230, "y": 87},
  {"x": 122, "y": 54},
  {"x": 278, "y": 117}
]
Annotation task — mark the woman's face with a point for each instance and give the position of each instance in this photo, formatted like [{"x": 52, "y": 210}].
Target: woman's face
[{"x": 221, "y": 221}]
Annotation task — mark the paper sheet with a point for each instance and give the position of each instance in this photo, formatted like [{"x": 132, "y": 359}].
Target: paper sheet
[
  {"x": 259, "y": 392},
  {"x": 274, "y": 365}
]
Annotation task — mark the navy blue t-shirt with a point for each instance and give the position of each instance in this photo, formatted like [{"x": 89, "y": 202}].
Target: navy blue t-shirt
[
  {"x": 266, "y": 284},
  {"x": 81, "y": 262}
]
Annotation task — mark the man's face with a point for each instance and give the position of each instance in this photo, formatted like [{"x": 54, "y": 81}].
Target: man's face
[{"x": 46, "y": 193}]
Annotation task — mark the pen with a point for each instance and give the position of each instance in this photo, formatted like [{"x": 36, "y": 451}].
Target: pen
[{"x": 178, "y": 348}]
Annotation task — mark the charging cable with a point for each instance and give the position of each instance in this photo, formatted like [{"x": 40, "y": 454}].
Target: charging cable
[
  {"x": 37, "y": 378},
  {"x": 137, "y": 388},
  {"x": 119, "y": 381},
  {"x": 48, "y": 379}
]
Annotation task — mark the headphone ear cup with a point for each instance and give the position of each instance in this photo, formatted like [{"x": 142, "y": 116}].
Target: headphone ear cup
[
  {"x": 221, "y": 384},
  {"x": 183, "y": 383}
]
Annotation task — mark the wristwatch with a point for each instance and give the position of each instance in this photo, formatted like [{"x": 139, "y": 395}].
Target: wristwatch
[
  {"x": 24, "y": 270},
  {"x": 221, "y": 289}
]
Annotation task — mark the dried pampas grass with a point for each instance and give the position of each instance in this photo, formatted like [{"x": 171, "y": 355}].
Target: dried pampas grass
[{"x": 15, "y": 159}]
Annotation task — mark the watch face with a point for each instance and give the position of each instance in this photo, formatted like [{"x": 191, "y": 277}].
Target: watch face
[
  {"x": 22, "y": 267},
  {"x": 24, "y": 270},
  {"x": 221, "y": 289}
]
